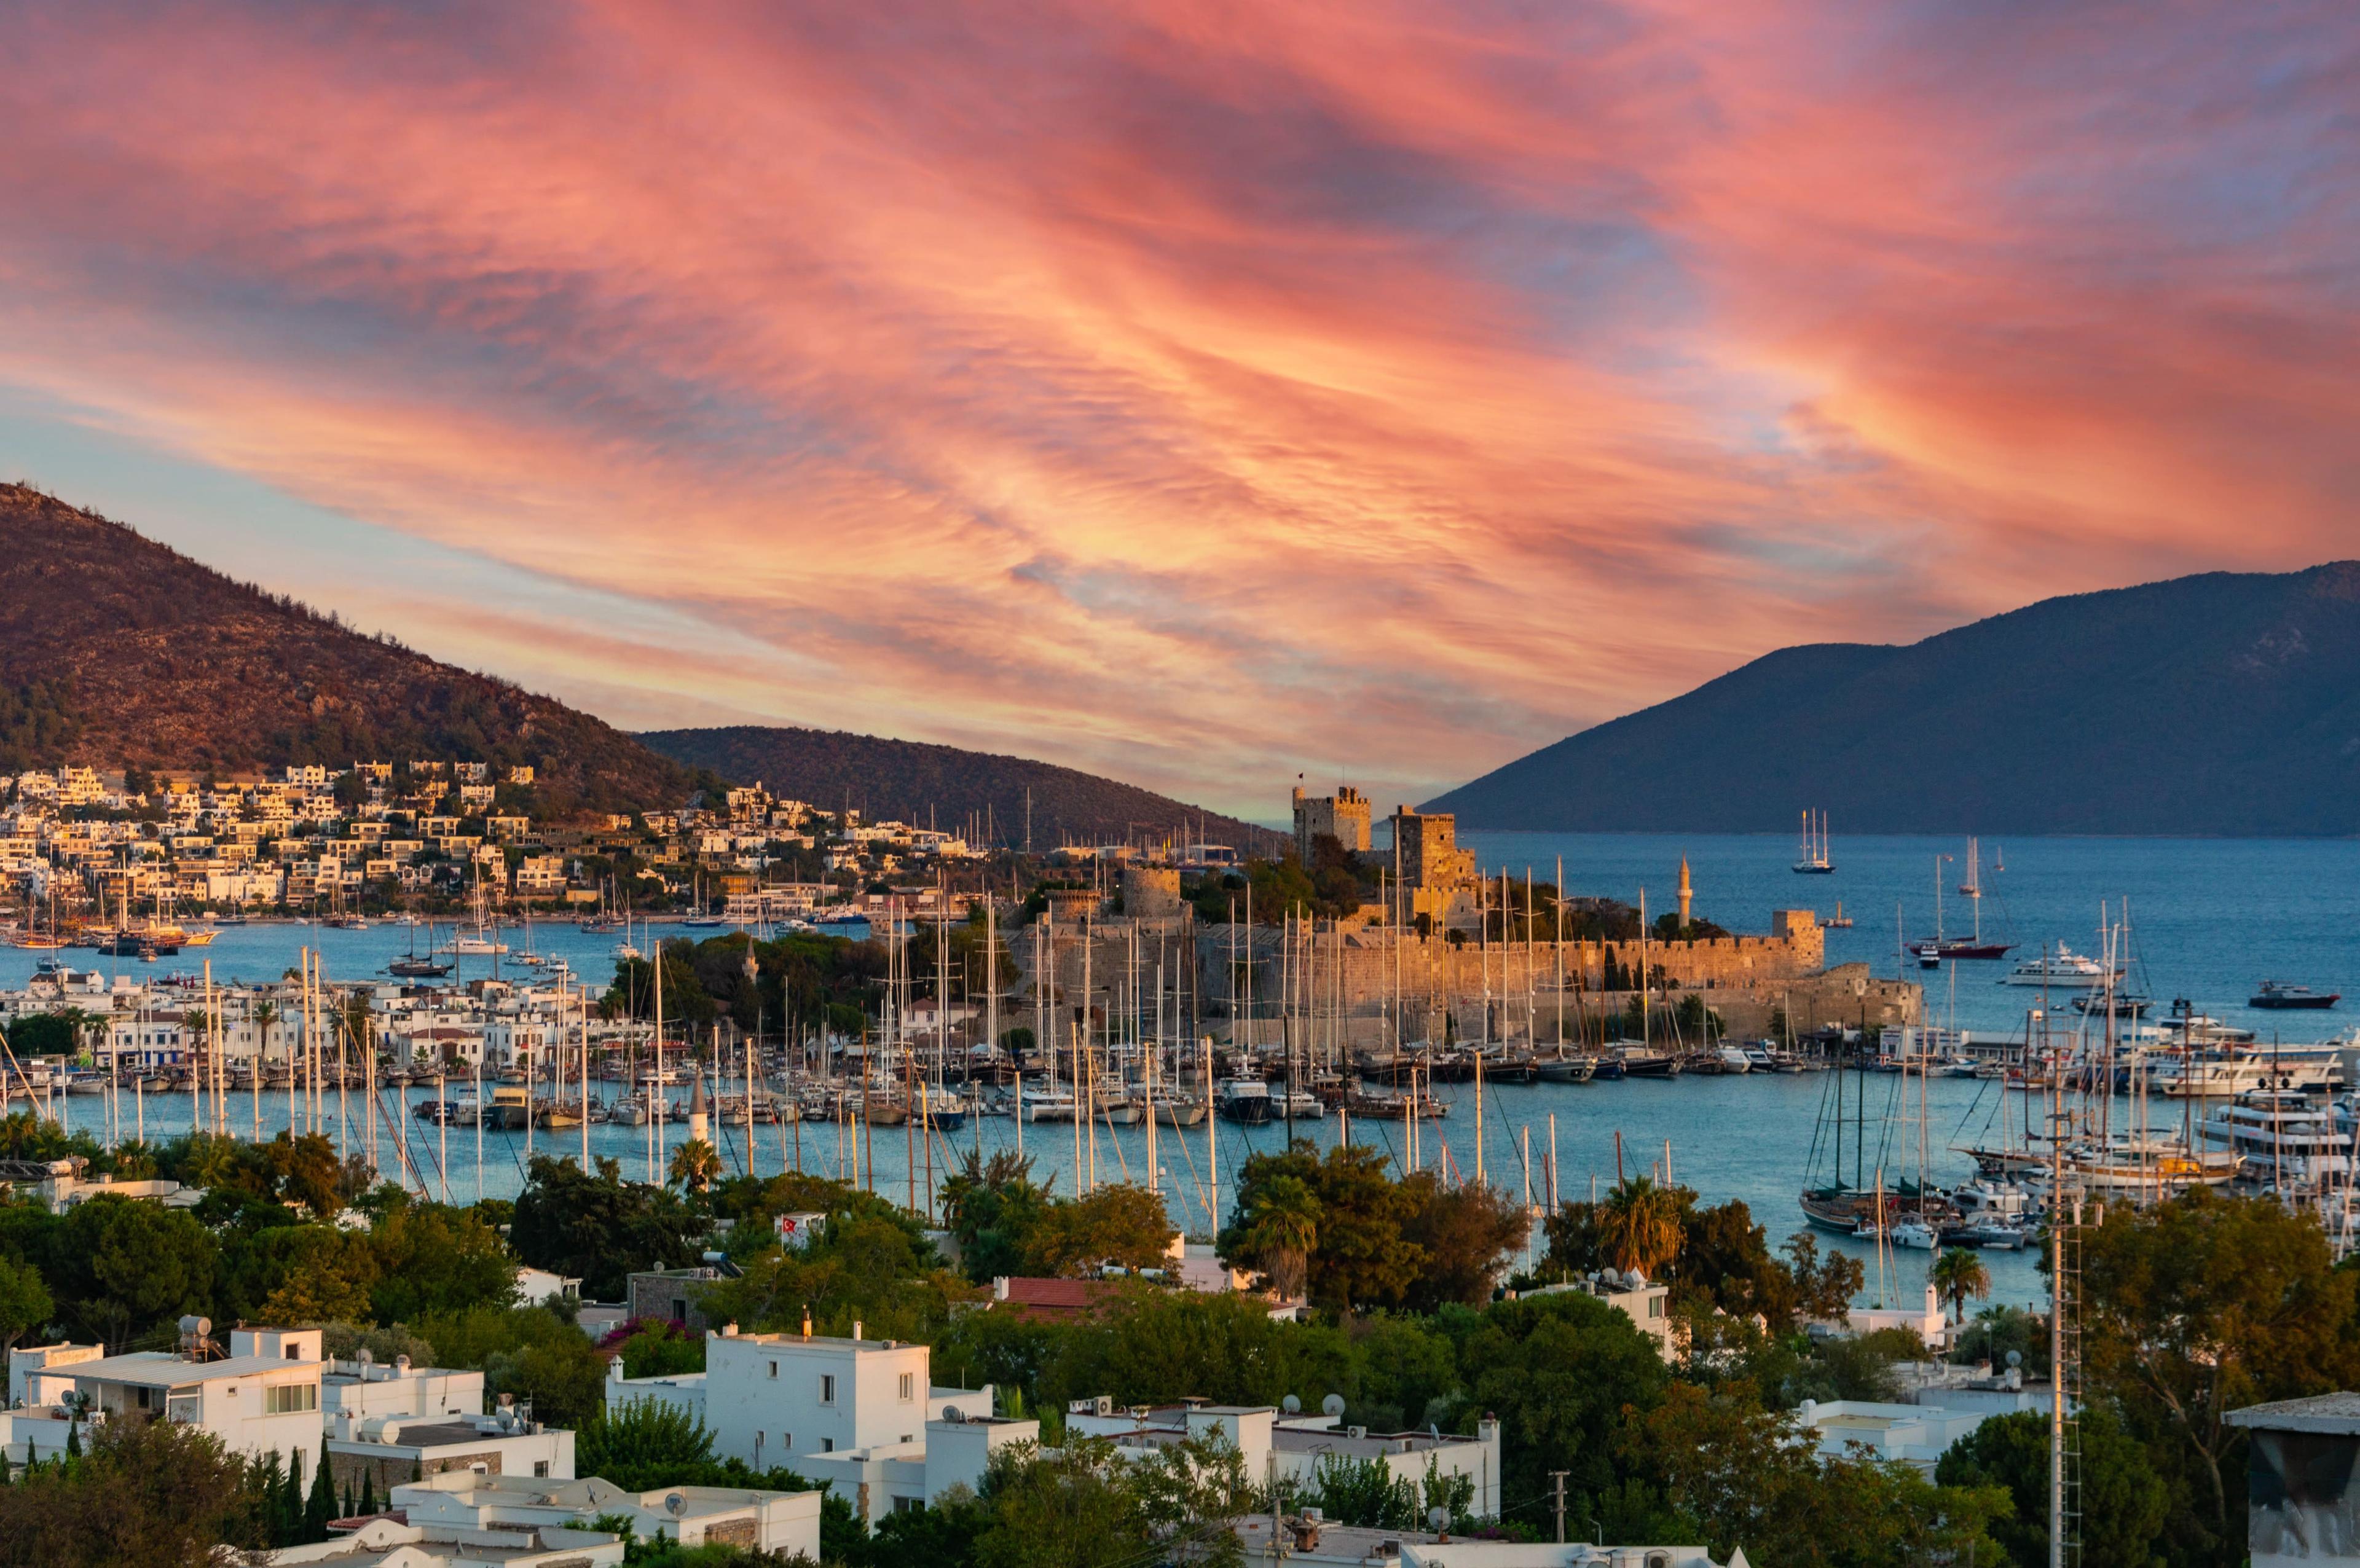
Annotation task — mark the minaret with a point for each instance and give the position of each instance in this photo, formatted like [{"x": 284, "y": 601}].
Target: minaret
[
  {"x": 1687, "y": 893},
  {"x": 697, "y": 1131}
]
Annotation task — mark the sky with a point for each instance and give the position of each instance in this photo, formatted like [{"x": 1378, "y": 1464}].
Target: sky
[{"x": 1194, "y": 392}]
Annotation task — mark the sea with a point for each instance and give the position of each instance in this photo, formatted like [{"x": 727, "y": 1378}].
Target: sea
[{"x": 2208, "y": 920}]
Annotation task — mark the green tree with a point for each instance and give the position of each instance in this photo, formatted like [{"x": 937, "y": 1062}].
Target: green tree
[
  {"x": 1558, "y": 1371},
  {"x": 1463, "y": 1238},
  {"x": 2199, "y": 1306},
  {"x": 1118, "y": 1224},
  {"x": 1639, "y": 1225},
  {"x": 695, "y": 1166},
  {"x": 1276, "y": 1234},
  {"x": 437, "y": 1260},
  {"x": 148, "y": 1495},
  {"x": 1359, "y": 1254},
  {"x": 2124, "y": 1504},
  {"x": 320, "y": 1273},
  {"x": 992, "y": 1206},
  {"x": 129, "y": 1266},
  {"x": 1958, "y": 1274},
  {"x": 1734, "y": 1467},
  {"x": 644, "y": 1445},
  {"x": 25, "y": 1303},
  {"x": 599, "y": 1229}
]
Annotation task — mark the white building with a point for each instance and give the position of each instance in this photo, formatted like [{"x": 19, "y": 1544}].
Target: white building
[
  {"x": 1290, "y": 1447},
  {"x": 263, "y": 1398},
  {"x": 784, "y": 1522},
  {"x": 862, "y": 1413},
  {"x": 1646, "y": 1304},
  {"x": 1913, "y": 1434},
  {"x": 1433, "y": 1554},
  {"x": 390, "y": 1423},
  {"x": 386, "y": 1542}
]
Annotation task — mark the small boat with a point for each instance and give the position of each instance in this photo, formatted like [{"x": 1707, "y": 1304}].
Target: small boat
[
  {"x": 1244, "y": 1100},
  {"x": 1734, "y": 1059},
  {"x": 2277, "y": 995},
  {"x": 1838, "y": 920},
  {"x": 2063, "y": 970},
  {"x": 417, "y": 969},
  {"x": 2121, "y": 1003},
  {"x": 1575, "y": 1069},
  {"x": 1180, "y": 1113},
  {"x": 1635, "y": 1063}
]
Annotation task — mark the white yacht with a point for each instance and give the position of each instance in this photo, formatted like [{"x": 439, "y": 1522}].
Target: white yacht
[
  {"x": 2280, "y": 1136},
  {"x": 2226, "y": 1073},
  {"x": 2063, "y": 970}
]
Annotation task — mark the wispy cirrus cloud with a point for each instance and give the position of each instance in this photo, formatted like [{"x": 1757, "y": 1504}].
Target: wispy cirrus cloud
[{"x": 1199, "y": 391}]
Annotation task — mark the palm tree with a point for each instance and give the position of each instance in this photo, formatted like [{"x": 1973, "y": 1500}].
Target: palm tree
[
  {"x": 263, "y": 1015},
  {"x": 1958, "y": 1274},
  {"x": 1282, "y": 1231},
  {"x": 1639, "y": 1225},
  {"x": 694, "y": 1165}
]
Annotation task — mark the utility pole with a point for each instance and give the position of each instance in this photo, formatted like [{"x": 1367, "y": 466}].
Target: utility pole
[{"x": 1556, "y": 1483}]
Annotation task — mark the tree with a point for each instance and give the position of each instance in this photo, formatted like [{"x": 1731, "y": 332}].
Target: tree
[
  {"x": 148, "y": 1494},
  {"x": 1120, "y": 1225},
  {"x": 1639, "y": 1225},
  {"x": 1958, "y": 1274},
  {"x": 1823, "y": 1287},
  {"x": 695, "y": 1164},
  {"x": 322, "y": 1274},
  {"x": 1735, "y": 1469},
  {"x": 992, "y": 1206},
  {"x": 1277, "y": 1233},
  {"x": 129, "y": 1265},
  {"x": 438, "y": 1259},
  {"x": 25, "y": 1303},
  {"x": 2199, "y": 1306},
  {"x": 1558, "y": 1371},
  {"x": 1463, "y": 1239},
  {"x": 599, "y": 1229},
  {"x": 1359, "y": 1254},
  {"x": 2124, "y": 1504},
  {"x": 644, "y": 1445}
]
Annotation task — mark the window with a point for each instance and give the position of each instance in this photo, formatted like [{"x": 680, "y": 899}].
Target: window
[
  {"x": 774, "y": 1369},
  {"x": 828, "y": 1445},
  {"x": 906, "y": 1384},
  {"x": 189, "y": 1407},
  {"x": 906, "y": 1505},
  {"x": 1656, "y": 1308},
  {"x": 826, "y": 1389},
  {"x": 541, "y": 1469},
  {"x": 286, "y": 1399}
]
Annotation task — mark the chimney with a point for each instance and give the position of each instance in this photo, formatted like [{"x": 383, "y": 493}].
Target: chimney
[
  {"x": 806, "y": 1322},
  {"x": 855, "y": 1329}
]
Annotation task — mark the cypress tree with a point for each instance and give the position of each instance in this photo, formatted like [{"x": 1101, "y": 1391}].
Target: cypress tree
[
  {"x": 288, "y": 1526},
  {"x": 321, "y": 1506},
  {"x": 368, "y": 1505},
  {"x": 73, "y": 1440}
]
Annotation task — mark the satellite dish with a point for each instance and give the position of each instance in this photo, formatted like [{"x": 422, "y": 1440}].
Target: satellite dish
[
  {"x": 1290, "y": 1404},
  {"x": 2016, "y": 1358},
  {"x": 1332, "y": 1405},
  {"x": 951, "y": 1415},
  {"x": 366, "y": 1357},
  {"x": 676, "y": 1504},
  {"x": 1439, "y": 1519}
]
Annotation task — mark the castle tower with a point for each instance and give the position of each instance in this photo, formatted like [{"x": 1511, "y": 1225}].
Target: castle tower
[{"x": 1687, "y": 893}]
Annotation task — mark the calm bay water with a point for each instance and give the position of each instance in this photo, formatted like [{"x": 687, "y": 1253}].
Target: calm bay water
[{"x": 2210, "y": 920}]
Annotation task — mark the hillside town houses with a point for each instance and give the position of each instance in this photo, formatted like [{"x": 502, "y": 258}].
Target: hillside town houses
[{"x": 82, "y": 848}]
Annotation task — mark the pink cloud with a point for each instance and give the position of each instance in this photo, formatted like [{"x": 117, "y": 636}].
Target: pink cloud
[{"x": 1203, "y": 391}]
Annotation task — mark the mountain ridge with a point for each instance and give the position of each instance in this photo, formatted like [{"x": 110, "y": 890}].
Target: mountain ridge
[
  {"x": 2218, "y": 704},
  {"x": 116, "y": 649},
  {"x": 920, "y": 781}
]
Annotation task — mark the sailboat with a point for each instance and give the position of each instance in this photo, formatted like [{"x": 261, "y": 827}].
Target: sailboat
[
  {"x": 1972, "y": 889},
  {"x": 1838, "y": 920},
  {"x": 413, "y": 967},
  {"x": 1814, "y": 860}
]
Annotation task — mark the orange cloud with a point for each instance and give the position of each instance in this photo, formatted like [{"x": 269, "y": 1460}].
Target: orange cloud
[{"x": 1205, "y": 392}]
